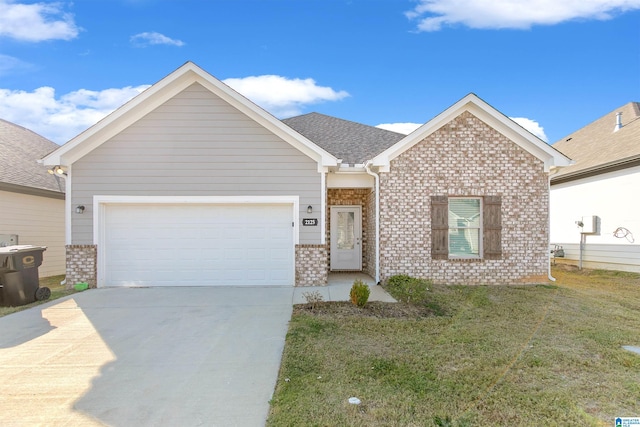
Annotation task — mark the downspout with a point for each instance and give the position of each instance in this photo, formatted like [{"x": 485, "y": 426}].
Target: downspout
[
  {"x": 376, "y": 178},
  {"x": 551, "y": 278}
]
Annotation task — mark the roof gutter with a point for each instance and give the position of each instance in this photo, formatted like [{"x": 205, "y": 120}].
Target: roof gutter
[{"x": 376, "y": 177}]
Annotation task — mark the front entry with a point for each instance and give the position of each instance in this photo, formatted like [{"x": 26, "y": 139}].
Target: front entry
[{"x": 346, "y": 238}]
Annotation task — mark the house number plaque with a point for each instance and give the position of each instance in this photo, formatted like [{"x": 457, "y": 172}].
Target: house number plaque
[{"x": 309, "y": 221}]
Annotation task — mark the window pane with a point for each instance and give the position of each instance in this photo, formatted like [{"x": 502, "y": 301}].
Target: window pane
[
  {"x": 346, "y": 232},
  {"x": 464, "y": 242},
  {"x": 464, "y": 213},
  {"x": 464, "y": 227}
]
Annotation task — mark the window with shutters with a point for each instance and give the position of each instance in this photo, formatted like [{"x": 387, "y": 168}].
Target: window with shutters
[{"x": 466, "y": 227}]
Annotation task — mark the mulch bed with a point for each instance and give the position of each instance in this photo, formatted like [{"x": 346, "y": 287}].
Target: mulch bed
[{"x": 375, "y": 309}]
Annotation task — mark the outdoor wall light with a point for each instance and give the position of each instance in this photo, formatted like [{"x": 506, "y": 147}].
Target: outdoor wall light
[
  {"x": 57, "y": 170},
  {"x": 309, "y": 209},
  {"x": 79, "y": 209}
]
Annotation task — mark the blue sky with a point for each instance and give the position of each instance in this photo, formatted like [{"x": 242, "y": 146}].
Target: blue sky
[{"x": 554, "y": 65}]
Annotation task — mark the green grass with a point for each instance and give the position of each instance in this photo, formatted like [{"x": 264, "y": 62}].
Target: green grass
[
  {"x": 497, "y": 355},
  {"x": 57, "y": 291}
]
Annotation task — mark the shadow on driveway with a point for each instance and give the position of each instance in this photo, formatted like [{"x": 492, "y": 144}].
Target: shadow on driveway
[{"x": 145, "y": 356}]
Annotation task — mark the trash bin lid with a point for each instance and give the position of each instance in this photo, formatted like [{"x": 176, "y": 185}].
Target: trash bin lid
[{"x": 8, "y": 250}]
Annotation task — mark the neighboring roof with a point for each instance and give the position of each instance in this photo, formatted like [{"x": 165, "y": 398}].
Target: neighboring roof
[
  {"x": 164, "y": 90},
  {"x": 20, "y": 150},
  {"x": 353, "y": 143},
  {"x": 492, "y": 117},
  {"x": 596, "y": 148}
]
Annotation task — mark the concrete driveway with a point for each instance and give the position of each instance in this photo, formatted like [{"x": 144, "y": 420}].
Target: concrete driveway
[{"x": 144, "y": 356}]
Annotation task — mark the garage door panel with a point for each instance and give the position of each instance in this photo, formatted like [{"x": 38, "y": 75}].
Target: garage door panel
[{"x": 195, "y": 245}]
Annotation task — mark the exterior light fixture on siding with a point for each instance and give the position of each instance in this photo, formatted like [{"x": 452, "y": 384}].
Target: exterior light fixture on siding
[
  {"x": 80, "y": 209},
  {"x": 309, "y": 209}
]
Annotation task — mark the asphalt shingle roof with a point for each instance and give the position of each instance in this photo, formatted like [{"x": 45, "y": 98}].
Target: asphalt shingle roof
[
  {"x": 597, "y": 145},
  {"x": 352, "y": 142},
  {"x": 20, "y": 149}
]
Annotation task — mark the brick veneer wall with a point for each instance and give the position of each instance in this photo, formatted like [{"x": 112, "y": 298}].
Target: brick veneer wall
[
  {"x": 465, "y": 157},
  {"x": 312, "y": 266},
  {"x": 81, "y": 265},
  {"x": 369, "y": 246},
  {"x": 351, "y": 197}
]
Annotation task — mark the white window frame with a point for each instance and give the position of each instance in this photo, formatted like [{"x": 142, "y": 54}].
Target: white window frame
[{"x": 479, "y": 228}]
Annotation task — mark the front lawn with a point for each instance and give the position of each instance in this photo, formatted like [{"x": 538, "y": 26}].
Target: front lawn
[
  {"x": 485, "y": 356},
  {"x": 57, "y": 291}
]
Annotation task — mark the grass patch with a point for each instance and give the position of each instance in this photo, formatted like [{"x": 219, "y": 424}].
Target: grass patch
[
  {"x": 500, "y": 355},
  {"x": 51, "y": 282}
]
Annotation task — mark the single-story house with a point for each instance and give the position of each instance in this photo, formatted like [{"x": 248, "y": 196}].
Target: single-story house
[
  {"x": 32, "y": 200},
  {"x": 190, "y": 183},
  {"x": 595, "y": 201}
]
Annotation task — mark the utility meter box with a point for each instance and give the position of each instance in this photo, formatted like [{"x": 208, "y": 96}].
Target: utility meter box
[
  {"x": 8, "y": 240},
  {"x": 591, "y": 224}
]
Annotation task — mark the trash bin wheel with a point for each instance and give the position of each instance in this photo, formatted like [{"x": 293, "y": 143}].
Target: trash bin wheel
[{"x": 43, "y": 293}]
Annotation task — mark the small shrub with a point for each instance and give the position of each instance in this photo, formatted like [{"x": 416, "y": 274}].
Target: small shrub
[
  {"x": 359, "y": 293},
  {"x": 313, "y": 298},
  {"x": 408, "y": 289}
]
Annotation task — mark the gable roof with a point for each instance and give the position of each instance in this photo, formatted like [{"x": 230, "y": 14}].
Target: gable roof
[
  {"x": 20, "y": 150},
  {"x": 492, "y": 117},
  {"x": 596, "y": 148},
  {"x": 353, "y": 143},
  {"x": 162, "y": 91}
]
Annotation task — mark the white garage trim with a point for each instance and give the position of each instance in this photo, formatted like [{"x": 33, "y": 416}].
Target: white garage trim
[{"x": 101, "y": 202}]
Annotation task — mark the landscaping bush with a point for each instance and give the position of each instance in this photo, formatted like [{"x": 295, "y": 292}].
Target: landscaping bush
[
  {"x": 359, "y": 293},
  {"x": 408, "y": 289}
]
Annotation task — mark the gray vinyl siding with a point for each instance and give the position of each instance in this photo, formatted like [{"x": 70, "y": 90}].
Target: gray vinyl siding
[
  {"x": 194, "y": 145},
  {"x": 623, "y": 257},
  {"x": 37, "y": 221}
]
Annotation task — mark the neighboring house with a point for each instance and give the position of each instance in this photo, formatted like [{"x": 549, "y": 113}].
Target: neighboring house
[
  {"x": 602, "y": 185},
  {"x": 190, "y": 183},
  {"x": 31, "y": 200}
]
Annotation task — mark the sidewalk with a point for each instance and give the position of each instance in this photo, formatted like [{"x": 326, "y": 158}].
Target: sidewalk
[{"x": 339, "y": 287}]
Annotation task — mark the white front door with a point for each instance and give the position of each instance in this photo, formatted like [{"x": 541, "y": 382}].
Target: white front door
[{"x": 346, "y": 238}]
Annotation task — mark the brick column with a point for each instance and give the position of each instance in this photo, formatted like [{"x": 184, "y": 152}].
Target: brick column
[
  {"x": 81, "y": 265},
  {"x": 312, "y": 268}
]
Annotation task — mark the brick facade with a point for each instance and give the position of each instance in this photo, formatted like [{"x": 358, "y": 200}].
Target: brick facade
[
  {"x": 311, "y": 265},
  {"x": 465, "y": 157},
  {"x": 81, "y": 265}
]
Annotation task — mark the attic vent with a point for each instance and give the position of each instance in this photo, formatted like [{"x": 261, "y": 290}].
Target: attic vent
[{"x": 618, "y": 122}]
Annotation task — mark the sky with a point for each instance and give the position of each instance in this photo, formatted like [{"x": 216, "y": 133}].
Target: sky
[{"x": 553, "y": 66}]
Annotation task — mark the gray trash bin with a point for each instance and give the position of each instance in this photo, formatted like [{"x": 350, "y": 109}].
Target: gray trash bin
[{"x": 19, "y": 281}]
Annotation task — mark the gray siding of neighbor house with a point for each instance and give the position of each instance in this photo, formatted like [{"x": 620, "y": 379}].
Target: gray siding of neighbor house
[
  {"x": 465, "y": 157},
  {"x": 195, "y": 144}
]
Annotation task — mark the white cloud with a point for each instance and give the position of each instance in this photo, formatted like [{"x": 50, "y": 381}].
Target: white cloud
[
  {"x": 153, "y": 38},
  {"x": 432, "y": 15},
  {"x": 532, "y": 126},
  {"x": 36, "y": 22},
  {"x": 403, "y": 128},
  {"x": 60, "y": 119},
  {"x": 281, "y": 96},
  {"x": 9, "y": 64}
]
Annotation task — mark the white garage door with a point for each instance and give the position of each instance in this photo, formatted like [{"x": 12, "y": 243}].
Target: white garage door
[{"x": 198, "y": 244}]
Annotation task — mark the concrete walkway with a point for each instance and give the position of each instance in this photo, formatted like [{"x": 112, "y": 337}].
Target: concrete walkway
[
  {"x": 144, "y": 357},
  {"x": 339, "y": 287}
]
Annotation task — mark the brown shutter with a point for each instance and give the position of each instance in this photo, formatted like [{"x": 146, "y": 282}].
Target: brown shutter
[
  {"x": 439, "y": 227},
  {"x": 492, "y": 227}
]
